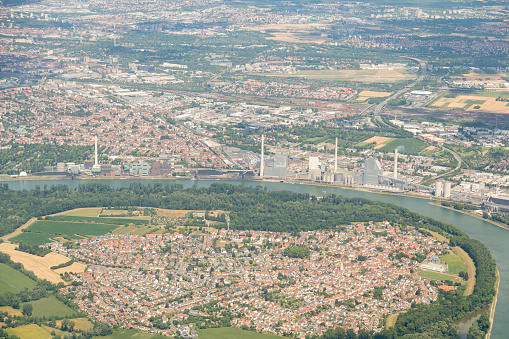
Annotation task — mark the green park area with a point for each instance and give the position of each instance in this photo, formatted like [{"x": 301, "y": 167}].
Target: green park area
[
  {"x": 405, "y": 145},
  {"x": 13, "y": 281},
  {"x": 232, "y": 333}
]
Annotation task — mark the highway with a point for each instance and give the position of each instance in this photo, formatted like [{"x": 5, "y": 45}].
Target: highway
[{"x": 380, "y": 107}]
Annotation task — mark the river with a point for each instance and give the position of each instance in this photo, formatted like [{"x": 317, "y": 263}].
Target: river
[{"x": 496, "y": 238}]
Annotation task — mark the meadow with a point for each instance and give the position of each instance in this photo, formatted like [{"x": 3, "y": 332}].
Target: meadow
[
  {"x": 47, "y": 307},
  {"x": 13, "y": 281},
  {"x": 435, "y": 275}
]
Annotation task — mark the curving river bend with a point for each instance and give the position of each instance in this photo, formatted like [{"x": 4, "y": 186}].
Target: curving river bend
[{"x": 497, "y": 239}]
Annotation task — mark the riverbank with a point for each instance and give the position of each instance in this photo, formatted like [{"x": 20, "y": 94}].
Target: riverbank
[
  {"x": 470, "y": 214},
  {"x": 493, "y": 305}
]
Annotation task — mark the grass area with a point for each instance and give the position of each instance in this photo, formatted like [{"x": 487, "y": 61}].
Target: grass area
[
  {"x": 10, "y": 310},
  {"x": 504, "y": 95},
  {"x": 114, "y": 212},
  {"x": 31, "y": 331},
  {"x": 69, "y": 229},
  {"x": 84, "y": 212},
  {"x": 470, "y": 103},
  {"x": 405, "y": 145},
  {"x": 454, "y": 263},
  {"x": 130, "y": 334},
  {"x": 434, "y": 275},
  {"x": 50, "y": 306},
  {"x": 142, "y": 220},
  {"x": 32, "y": 238},
  {"x": 79, "y": 324},
  {"x": 13, "y": 281},
  {"x": 232, "y": 333}
]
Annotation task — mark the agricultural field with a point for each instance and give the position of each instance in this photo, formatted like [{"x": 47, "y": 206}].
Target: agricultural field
[
  {"x": 70, "y": 230},
  {"x": 82, "y": 324},
  {"x": 32, "y": 238},
  {"x": 41, "y": 266},
  {"x": 31, "y": 331},
  {"x": 11, "y": 311},
  {"x": 454, "y": 263},
  {"x": 47, "y": 307},
  {"x": 232, "y": 333},
  {"x": 131, "y": 334},
  {"x": 365, "y": 76},
  {"x": 13, "y": 281},
  {"x": 379, "y": 141},
  {"x": 473, "y": 103},
  {"x": 404, "y": 145},
  {"x": 365, "y": 95},
  {"x": 83, "y": 212}
]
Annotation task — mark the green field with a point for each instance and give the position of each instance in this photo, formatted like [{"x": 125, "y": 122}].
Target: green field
[
  {"x": 434, "y": 275},
  {"x": 130, "y": 334},
  {"x": 32, "y": 238},
  {"x": 50, "y": 306},
  {"x": 13, "y": 281},
  {"x": 69, "y": 229},
  {"x": 232, "y": 333},
  {"x": 455, "y": 263},
  {"x": 31, "y": 331},
  {"x": 405, "y": 145},
  {"x": 504, "y": 95}
]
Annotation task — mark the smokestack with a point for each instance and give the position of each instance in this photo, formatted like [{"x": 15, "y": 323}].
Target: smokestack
[
  {"x": 395, "y": 164},
  {"x": 336, "y": 157},
  {"x": 262, "y": 162},
  {"x": 96, "y": 151}
]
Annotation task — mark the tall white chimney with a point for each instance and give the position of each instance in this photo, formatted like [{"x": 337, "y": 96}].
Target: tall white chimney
[
  {"x": 336, "y": 157},
  {"x": 395, "y": 164},
  {"x": 262, "y": 161},
  {"x": 96, "y": 151}
]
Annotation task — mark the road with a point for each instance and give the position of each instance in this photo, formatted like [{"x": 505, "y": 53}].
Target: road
[
  {"x": 380, "y": 107},
  {"x": 458, "y": 159}
]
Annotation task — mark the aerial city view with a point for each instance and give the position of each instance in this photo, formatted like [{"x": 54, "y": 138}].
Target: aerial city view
[{"x": 221, "y": 169}]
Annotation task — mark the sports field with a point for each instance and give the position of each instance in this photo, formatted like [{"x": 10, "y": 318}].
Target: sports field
[
  {"x": 454, "y": 263},
  {"x": 13, "y": 281},
  {"x": 435, "y": 276},
  {"x": 47, "y": 307},
  {"x": 364, "y": 75},
  {"x": 232, "y": 333}
]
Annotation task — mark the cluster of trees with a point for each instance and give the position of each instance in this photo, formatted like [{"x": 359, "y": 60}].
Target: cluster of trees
[
  {"x": 34, "y": 157},
  {"x": 480, "y": 328},
  {"x": 302, "y": 252},
  {"x": 33, "y": 249}
]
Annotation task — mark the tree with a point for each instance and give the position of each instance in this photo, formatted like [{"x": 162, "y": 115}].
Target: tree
[{"x": 27, "y": 310}]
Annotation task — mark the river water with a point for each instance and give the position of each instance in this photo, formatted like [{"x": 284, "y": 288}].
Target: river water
[{"x": 496, "y": 238}]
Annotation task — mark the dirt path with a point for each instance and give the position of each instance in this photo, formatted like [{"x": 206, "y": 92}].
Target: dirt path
[
  {"x": 19, "y": 230},
  {"x": 470, "y": 267},
  {"x": 493, "y": 305},
  {"x": 391, "y": 319}
]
